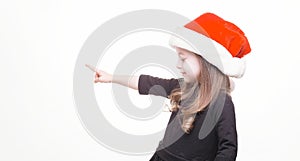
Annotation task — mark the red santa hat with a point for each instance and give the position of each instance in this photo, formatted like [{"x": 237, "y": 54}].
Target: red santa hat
[{"x": 229, "y": 43}]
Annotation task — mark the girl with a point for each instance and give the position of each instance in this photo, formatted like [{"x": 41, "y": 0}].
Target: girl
[{"x": 202, "y": 126}]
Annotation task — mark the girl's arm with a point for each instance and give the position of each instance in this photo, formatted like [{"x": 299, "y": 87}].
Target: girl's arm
[
  {"x": 146, "y": 84},
  {"x": 125, "y": 80}
]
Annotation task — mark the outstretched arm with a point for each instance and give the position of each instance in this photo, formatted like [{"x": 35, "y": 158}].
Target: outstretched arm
[{"x": 145, "y": 84}]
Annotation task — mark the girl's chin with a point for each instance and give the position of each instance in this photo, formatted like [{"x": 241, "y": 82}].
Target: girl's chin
[{"x": 188, "y": 80}]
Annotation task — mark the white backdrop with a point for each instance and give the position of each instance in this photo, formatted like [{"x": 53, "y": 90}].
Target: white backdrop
[{"x": 39, "y": 45}]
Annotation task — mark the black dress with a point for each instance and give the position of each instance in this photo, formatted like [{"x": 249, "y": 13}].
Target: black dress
[
  {"x": 213, "y": 137},
  {"x": 155, "y": 157}
]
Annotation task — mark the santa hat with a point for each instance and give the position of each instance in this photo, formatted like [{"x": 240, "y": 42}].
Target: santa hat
[{"x": 228, "y": 43}]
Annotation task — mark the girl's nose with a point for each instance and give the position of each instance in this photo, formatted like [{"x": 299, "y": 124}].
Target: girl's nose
[{"x": 179, "y": 64}]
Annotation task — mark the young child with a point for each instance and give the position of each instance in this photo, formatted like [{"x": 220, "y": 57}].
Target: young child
[{"x": 202, "y": 126}]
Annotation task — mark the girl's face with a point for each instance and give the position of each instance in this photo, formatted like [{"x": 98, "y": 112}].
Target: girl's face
[{"x": 188, "y": 65}]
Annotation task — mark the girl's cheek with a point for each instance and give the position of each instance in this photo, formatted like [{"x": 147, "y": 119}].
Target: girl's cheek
[
  {"x": 193, "y": 69},
  {"x": 187, "y": 67}
]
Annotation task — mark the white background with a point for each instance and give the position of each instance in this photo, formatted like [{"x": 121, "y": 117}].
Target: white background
[{"x": 39, "y": 44}]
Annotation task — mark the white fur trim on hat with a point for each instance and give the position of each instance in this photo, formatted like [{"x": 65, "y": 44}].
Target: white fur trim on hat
[{"x": 218, "y": 55}]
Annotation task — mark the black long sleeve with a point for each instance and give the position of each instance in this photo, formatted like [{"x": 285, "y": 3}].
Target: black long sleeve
[{"x": 156, "y": 86}]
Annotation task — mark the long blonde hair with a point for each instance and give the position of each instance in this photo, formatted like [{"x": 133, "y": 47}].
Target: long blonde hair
[{"x": 192, "y": 98}]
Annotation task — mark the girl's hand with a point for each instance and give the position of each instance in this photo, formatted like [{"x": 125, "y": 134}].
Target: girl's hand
[{"x": 102, "y": 77}]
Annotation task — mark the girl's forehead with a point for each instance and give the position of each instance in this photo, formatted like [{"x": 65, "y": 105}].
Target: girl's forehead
[{"x": 182, "y": 52}]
